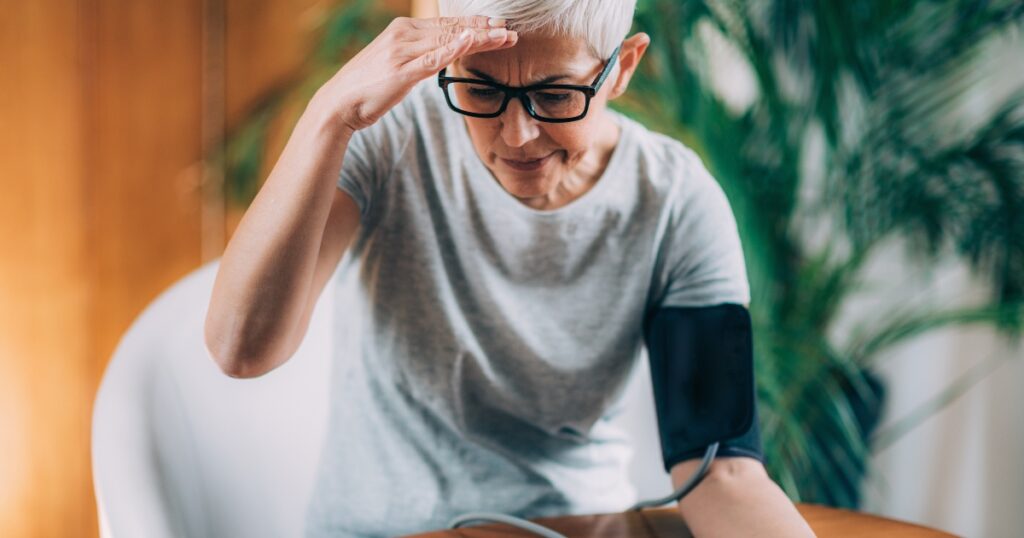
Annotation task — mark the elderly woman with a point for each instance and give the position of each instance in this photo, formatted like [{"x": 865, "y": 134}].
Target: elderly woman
[{"x": 497, "y": 235}]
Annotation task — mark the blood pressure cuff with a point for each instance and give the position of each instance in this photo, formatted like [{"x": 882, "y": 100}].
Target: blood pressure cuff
[{"x": 702, "y": 373}]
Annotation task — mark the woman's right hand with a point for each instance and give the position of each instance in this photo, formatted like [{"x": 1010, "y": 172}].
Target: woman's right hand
[{"x": 406, "y": 52}]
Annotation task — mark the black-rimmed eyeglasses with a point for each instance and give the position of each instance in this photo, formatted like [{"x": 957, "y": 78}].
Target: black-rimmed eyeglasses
[{"x": 556, "y": 103}]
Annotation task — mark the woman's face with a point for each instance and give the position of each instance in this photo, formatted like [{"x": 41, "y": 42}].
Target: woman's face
[{"x": 531, "y": 159}]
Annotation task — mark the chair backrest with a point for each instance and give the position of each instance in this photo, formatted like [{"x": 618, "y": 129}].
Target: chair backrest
[{"x": 180, "y": 449}]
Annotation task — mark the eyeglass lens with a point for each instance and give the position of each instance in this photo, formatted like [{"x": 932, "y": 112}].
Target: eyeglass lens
[{"x": 552, "y": 103}]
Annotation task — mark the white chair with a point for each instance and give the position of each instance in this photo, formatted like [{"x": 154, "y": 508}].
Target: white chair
[{"x": 180, "y": 449}]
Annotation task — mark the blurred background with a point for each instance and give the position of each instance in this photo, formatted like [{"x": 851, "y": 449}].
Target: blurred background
[{"x": 873, "y": 153}]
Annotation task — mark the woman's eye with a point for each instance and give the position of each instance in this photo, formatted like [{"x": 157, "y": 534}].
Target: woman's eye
[
  {"x": 483, "y": 92},
  {"x": 554, "y": 97}
]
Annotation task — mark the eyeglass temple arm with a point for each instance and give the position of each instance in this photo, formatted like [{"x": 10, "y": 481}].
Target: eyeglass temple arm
[{"x": 607, "y": 69}]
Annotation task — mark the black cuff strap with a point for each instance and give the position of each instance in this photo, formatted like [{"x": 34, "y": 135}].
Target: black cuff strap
[
  {"x": 702, "y": 373},
  {"x": 747, "y": 445}
]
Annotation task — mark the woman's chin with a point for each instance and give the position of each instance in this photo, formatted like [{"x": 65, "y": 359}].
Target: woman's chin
[{"x": 525, "y": 187}]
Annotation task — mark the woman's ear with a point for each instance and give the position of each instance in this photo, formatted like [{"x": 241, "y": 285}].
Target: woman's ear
[{"x": 632, "y": 50}]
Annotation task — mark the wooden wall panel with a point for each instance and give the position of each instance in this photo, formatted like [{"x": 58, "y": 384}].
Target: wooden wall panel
[
  {"x": 143, "y": 198},
  {"x": 101, "y": 134},
  {"x": 45, "y": 383},
  {"x": 144, "y": 119},
  {"x": 99, "y": 213}
]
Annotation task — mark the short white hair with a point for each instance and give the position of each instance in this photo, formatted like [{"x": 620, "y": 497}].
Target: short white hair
[{"x": 603, "y": 24}]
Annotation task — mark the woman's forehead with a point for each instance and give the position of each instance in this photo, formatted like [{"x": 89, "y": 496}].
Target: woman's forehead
[{"x": 535, "y": 58}]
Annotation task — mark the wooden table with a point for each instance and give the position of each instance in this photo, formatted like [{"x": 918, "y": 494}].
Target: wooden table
[{"x": 666, "y": 522}]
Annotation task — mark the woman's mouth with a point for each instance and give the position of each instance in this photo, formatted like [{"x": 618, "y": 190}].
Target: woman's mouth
[{"x": 527, "y": 165}]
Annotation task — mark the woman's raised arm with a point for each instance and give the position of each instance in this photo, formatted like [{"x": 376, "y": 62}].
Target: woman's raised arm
[{"x": 293, "y": 235}]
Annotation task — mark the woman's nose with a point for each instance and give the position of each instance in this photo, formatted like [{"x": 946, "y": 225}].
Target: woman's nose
[{"x": 517, "y": 127}]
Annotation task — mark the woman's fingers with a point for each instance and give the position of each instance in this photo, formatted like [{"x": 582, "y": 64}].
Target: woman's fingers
[
  {"x": 478, "y": 21},
  {"x": 510, "y": 38},
  {"x": 435, "y": 59},
  {"x": 420, "y": 42},
  {"x": 413, "y": 49},
  {"x": 468, "y": 41}
]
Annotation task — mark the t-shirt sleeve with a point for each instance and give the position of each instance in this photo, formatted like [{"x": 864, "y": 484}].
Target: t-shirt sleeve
[
  {"x": 704, "y": 262},
  {"x": 370, "y": 157}
]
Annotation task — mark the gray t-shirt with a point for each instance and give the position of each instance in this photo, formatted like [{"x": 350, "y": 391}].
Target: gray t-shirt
[{"x": 482, "y": 345}]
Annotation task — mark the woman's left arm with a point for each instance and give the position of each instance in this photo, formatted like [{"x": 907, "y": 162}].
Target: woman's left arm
[{"x": 737, "y": 498}]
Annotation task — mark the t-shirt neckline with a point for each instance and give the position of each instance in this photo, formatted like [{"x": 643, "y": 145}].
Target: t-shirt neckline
[{"x": 494, "y": 191}]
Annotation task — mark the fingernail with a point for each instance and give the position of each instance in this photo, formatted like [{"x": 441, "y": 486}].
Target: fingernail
[
  {"x": 494, "y": 21},
  {"x": 496, "y": 33}
]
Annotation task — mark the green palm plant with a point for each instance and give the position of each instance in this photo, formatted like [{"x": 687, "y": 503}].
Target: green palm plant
[{"x": 872, "y": 82}]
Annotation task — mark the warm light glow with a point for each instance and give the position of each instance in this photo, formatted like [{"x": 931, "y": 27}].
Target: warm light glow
[{"x": 14, "y": 434}]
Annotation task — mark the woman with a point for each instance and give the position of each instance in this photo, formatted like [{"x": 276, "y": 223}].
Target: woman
[{"x": 496, "y": 249}]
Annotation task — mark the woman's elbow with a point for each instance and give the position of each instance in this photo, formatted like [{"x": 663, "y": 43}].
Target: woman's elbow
[{"x": 229, "y": 356}]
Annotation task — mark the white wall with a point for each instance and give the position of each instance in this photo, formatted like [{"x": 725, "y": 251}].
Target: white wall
[{"x": 960, "y": 469}]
